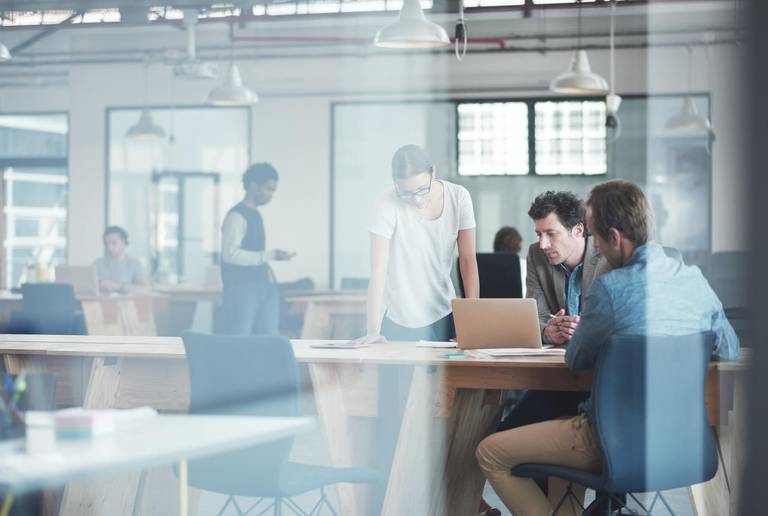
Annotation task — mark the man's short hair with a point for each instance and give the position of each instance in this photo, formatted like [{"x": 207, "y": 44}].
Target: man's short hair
[
  {"x": 621, "y": 205},
  {"x": 259, "y": 173},
  {"x": 507, "y": 240},
  {"x": 566, "y": 205},
  {"x": 116, "y": 230}
]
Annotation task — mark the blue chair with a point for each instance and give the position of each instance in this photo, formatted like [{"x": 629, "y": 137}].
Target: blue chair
[
  {"x": 48, "y": 309},
  {"x": 650, "y": 420},
  {"x": 257, "y": 376}
]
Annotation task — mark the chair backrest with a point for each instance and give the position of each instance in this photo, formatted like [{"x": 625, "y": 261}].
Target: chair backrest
[
  {"x": 48, "y": 298},
  {"x": 48, "y": 308},
  {"x": 241, "y": 375},
  {"x": 499, "y": 276},
  {"x": 650, "y": 415}
]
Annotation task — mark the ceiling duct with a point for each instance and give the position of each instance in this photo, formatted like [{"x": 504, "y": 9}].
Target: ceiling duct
[{"x": 191, "y": 67}]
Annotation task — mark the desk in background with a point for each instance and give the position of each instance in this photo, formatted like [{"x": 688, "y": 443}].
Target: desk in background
[
  {"x": 325, "y": 312},
  {"x": 337, "y": 315},
  {"x": 434, "y": 472}
]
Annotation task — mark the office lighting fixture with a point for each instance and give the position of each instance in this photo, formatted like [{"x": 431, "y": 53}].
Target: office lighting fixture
[
  {"x": 612, "y": 100},
  {"x": 688, "y": 121},
  {"x": 5, "y": 54},
  {"x": 145, "y": 128},
  {"x": 231, "y": 91},
  {"x": 460, "y": 35},
  {"x": 412, "y": 30},
  {"x": 579, "y": 79}
]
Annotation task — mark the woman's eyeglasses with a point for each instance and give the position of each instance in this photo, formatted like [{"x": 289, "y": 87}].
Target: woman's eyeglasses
[{"x": 419, "y": 192}]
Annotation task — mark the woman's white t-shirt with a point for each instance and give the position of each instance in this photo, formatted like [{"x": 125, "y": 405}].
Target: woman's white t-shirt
[{"x": 419, "y": 290}]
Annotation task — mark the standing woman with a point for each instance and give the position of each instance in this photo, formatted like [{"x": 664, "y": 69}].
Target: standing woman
[{"x": 417, "y": 226}]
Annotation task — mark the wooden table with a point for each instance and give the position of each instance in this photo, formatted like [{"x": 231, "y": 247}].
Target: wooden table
[
  {"x": 451, "y": 406},
  {"x": 329, "y": 311},
  {"x": 131, "y": 314}
]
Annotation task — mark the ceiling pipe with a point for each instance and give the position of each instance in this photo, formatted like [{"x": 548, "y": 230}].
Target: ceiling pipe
[
  {"x": 525, "y": 10},
  {"x": 353, "y": 54},
  {"x": 500, "y": 42}
]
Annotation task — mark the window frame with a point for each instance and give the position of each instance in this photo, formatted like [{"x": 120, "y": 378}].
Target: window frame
[
  {"x": 530, "y": 103},
  {"x": 27, "y": 161}
]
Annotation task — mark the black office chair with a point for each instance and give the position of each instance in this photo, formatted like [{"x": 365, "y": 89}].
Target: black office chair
[
  {"x": 48, "y": 309},
  {"x": 499, "y": 276},
  {"x": 650, "y": 420},
  {"x": 257, "y": 376}
]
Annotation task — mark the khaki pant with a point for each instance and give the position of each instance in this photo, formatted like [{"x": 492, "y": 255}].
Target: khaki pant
[{"x": 564, "y": 442}]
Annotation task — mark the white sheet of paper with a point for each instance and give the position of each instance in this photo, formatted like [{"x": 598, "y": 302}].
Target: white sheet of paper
[
  {"x": 515, "y": 352},
  {"x": 435, "y": 344}
]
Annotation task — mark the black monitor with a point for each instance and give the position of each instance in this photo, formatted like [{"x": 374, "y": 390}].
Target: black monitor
[{"x": 499, "y": 276}]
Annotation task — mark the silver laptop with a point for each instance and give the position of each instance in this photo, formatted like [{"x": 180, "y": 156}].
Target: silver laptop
[
  {"x": 496, "y": 323},
  {"x": 82, "y": 278}
]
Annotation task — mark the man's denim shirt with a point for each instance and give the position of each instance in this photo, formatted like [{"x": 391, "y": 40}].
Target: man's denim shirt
[{"x": 652, "y": 294}]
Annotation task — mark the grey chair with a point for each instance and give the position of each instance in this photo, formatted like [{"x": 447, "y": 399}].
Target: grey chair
[
  {"x": 257, "y": 376},
  {"x": 650, "y": 420},
  {"x": 48, "y": 309}
]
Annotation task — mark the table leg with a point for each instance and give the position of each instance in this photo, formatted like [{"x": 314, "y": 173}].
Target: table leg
[
  {"x": 719, "y": 496},
  {"x": 114, "y": 495},
  {"x": 125, "y": 383},
  {"x": 346, "y": 400},
  {"x": 183, "y": 488},
  {"x": 317, "y": 322},
  {"x": 434, "y": 469}
]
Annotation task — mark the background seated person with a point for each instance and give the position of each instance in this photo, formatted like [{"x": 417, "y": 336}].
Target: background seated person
[
  {"x": 508, "y": 240},
  {"x": 648, "y": 293},
  {"x": 118, "y": 272}
]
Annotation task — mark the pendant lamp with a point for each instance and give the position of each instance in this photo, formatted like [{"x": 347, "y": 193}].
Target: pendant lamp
[
  {"x": 579, "y": 79},
  {"x": 612, "y": 100},
  {"x": 688, "y": 121},
  {"x": 231, "y": 91},
  {"x": 412, "y": 30},
  {"x": 145, "y": 128}
]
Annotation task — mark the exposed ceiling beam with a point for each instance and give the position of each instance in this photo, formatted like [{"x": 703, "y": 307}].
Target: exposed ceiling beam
[{"x": 17, "y": 49}]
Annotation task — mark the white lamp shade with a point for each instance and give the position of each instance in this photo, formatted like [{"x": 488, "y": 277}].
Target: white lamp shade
[
  {"x": 687, "y": 120},
  {"x": 579, "y": 79},
  {"x": 5, "y": 54},
  {"x": 412, "y": 30},
  {"x": 145, "y": 128},
  {"x": 231, "y": 92}
]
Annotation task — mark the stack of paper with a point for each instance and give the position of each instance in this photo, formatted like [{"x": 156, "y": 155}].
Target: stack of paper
[
  {"x": 77, "y": 423},
  {"x": 515, "y": 352}
]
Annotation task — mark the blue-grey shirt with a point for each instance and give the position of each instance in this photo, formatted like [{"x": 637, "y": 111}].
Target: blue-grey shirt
[
  {"x": 573, "y": 288},
  {"x": 652, "y": 294}
]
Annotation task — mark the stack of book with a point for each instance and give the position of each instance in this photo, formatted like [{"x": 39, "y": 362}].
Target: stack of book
[{"x": 77, "y": 423}]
